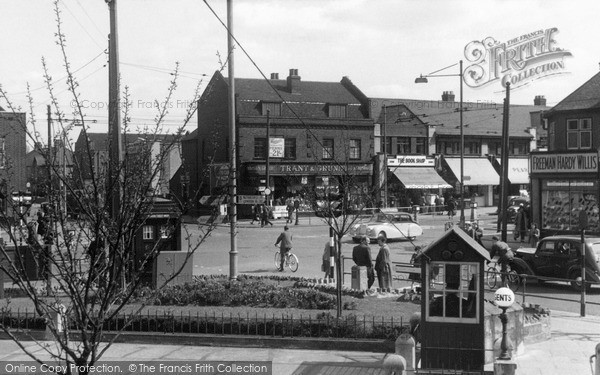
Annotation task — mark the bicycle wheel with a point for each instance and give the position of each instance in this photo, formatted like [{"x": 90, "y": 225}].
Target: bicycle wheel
[
  {"x": 491, "y": 277},
  {"x": 277, "y": 259},
  {"x": 292, "y": 262}
]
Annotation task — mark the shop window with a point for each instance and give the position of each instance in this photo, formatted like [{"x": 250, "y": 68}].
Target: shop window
[
  {"x": 453, "y": 296},
  {"x": 148, "y": 232},
  {"x": 274, "y": 108},
  {"x": 290, "y": 148},
  {"x": 403, "y": 146},
  {"x": 354, "y": 149},
  {"x": 579, "y": 133},
  {"x": 260, "y": 148},
  {"x": 562, "y": 200},
  {"x": 328, "y": 148}
]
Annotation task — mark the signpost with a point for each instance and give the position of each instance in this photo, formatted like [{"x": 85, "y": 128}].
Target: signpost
[
  {"x": 583, "y": 223},
  {"x": 504, "y": 298}
]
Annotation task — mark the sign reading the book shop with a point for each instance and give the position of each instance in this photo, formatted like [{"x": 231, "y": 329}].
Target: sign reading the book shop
[
  {"x": 564, "y": 163},
  {"x": 276, "y": 147}
]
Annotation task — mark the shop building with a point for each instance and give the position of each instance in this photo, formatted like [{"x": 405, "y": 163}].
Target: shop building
[
  {"x": 564, "y": 179},
  {"x": 432, "y": 128},
  {"x": 319, "y": 137}
]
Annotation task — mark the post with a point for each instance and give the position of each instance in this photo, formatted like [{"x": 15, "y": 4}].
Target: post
[
  {"x": 331, "y": 251},
  {"x": 504, "y": 164},
  {"x": 233, "y": 253},
  {"x": 268, "y": 184},
  {"x": 462, "y": 151},
  {"x": 582, "y": 309},
  {"x": 385, "y": 182}
]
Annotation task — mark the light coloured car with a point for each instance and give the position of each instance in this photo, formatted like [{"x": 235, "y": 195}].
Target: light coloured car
[{"x": 392, "y": 226}]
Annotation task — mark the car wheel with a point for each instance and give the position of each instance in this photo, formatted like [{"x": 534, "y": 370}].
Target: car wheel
[{"x": 575, "y": 276}]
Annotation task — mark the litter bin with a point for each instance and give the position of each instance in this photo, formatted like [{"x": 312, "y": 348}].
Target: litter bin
[{"x": 359, "y": 278}]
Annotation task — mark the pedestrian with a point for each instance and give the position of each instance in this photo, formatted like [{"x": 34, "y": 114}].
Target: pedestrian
[
  {"x": 284, "y": 241},
  {"x": 475, "y": 232},
  {"x": 361, "y": 255},
  {"x": 326, "y": 266},
  {"x": 415, "y": 261},
  {"x": 255, "y": 214},
  {"x": 383, "y": 265},
  {"x": 290, "y": 210},
  {"x": 505, "y": 256},
  {"x": 42, "y": 226},
  {"x": 297, "y": 207},
  {"x": 521, "y": 223},
  {"x": 266, "y": 212},
  {"x": 534, "y": 236},
  {"x": 451, "y": 207}
]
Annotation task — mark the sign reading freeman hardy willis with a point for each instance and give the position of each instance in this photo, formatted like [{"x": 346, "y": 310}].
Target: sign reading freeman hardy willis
[
  {"x": 519, "y": 61},
  {"x": 564, "y": 163}
]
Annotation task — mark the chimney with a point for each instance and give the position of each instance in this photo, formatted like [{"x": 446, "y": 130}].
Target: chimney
[
  {"x": 293, "y": 81},
  {"x": 539, "y": 100},
  {"x": 274, "y": 75},
  {"x": 448, "y": 96}
]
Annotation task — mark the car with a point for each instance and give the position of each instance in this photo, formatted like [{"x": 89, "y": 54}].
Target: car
[
  {"x": 392, "y": 226},
  {"x": 513, "y": 206},
  {"x": 560, "y": 257}
]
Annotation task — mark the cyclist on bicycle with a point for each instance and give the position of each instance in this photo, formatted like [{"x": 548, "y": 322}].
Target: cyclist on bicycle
[
  {"x": 285, "y": 245},
  {"x": 504, "y": 253}
]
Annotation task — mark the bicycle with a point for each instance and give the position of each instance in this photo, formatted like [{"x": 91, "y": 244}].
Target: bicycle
[
  {"x": 291, "y": 260},
  {"x": 493, "y": 277}
]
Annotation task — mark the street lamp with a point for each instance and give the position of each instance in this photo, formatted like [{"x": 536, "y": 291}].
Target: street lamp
[{"x": 423, "y": 79}]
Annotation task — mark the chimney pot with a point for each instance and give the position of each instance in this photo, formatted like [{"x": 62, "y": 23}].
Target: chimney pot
[
  {"x": 274, "y": 75},
  {"x": 448, "y": 96},
  {"x": 539, "y": 100},
  {"x": 293, "y": 81}
]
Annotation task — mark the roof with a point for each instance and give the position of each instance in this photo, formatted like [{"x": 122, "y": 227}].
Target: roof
[
  {"x": 465, "y": 237},
  {"x": 587, "y": 96},
  {"x": 1, "y": 109},
  {"x": 99, "y": 140},
  {"x": 479, "y": 119}
]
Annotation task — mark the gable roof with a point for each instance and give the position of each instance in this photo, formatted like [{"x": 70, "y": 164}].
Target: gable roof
[
  {"x": 479, "y": 119},
  {"x": 587, "y": 96},
  {"x": 465, "y": 237}
]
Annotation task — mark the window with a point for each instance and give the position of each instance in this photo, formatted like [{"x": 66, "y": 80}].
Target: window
[
  {"x": 260, "y": 148},
  {"x": 290, "y": 148},
  {"x": 148, "y": 232},
  {"x": 388, "y": 145},
  {"x": 165, "y": 231},
  {"x": 472, "y": 148},
  {"x": 448, "y": 148},
  {"x": 328, "y": 148},
  {"x": 2, "y": 154},
  {"x": 337, "y": 110},
  {"x": 403, "y": 146},
  {"x": 579, "y": 133},
  {"x": 274, "y": 108},
  {"x": 454, "y": 292},
  {"x": 354, "y": 149},
  {"x": 421, "y": 146}
]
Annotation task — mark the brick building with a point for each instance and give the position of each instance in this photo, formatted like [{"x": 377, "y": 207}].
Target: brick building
[
  {"x": 321, "y": 129},
  {"x": 13, "y": 147}
]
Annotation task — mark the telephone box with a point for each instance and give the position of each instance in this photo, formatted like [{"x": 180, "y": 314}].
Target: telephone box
[{"x": 452, "y": 325}]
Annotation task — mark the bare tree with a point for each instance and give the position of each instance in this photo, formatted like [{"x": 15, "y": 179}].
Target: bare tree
[{"x": 91, "y": 266}]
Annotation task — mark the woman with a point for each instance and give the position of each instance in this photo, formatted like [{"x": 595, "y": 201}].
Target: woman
[{"x": 383, "y": 265}]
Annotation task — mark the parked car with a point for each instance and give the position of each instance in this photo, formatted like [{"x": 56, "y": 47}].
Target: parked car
[
  {"x": 560, "y": 257},
  {"x": 513, "y": 206},
  {"x": 392, "y": 226}
]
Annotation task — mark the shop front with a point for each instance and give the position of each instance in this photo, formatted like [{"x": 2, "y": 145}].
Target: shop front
[
  {"x": 418, "y": 180},
  {"x": 311, "y": 181},
  {"x": 563, "y": 185},
  {"x": 479, "y": 178},
  {"x": 518, "y": 177}
]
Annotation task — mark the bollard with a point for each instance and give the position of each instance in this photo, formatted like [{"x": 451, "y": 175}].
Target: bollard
[
  {"x": 597, "y": 363},
  {"x": 405, "y": 347},
  {"x": 394, "y": 364},
  {"x": 416, "y": 213}
]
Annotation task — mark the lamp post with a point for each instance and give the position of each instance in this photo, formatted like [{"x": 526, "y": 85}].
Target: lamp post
[{"x": 423, "y": 79}]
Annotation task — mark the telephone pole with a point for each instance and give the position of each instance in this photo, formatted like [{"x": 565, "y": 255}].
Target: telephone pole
[
  {"x": 114, "y": 117},
  {"x": 233, "y": 252}
]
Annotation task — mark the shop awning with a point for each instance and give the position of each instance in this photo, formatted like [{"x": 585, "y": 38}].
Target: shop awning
[
  {"x": 419, "y": 178},
  {"x": 476, "y": 171},
  {"x": 518, "y": 171}
]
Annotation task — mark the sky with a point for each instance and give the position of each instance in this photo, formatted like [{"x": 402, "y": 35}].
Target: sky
[{"x": 381, "y": 45}]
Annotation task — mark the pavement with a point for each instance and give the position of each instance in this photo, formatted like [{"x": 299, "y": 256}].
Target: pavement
[{"x": 573, "y": 340}]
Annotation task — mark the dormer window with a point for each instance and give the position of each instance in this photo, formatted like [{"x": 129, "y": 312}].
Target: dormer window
[
  {"x": 273, "y": 107},
  {"x": 337, "y": 110}
]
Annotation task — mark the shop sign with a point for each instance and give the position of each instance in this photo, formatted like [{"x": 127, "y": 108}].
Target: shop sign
[
  {"x": 304, "y": 169},
  {"x": 276, "y": 147},
  {"x": 517, "y": 61},
  {"x": 411, "y": 161},
  {"x": 564, "y": 163},
  {"x": 250, "y": 199}
]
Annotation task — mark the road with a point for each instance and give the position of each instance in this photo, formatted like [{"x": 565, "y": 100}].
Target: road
[{"x": 256, "y": 252}]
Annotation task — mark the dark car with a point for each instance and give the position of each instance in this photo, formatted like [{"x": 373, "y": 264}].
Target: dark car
[
  {"x": 513, "y": 206},
  {"x": 560, "y": 257}
]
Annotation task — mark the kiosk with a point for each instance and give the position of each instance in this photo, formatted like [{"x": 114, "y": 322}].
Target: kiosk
[{"x": 452, "y": 312}]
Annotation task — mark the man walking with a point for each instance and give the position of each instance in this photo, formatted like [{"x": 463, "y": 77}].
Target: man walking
[
  {"x": 361, "y": 255},
  {"x": 285, "y": 245},
  {"x": 296, "y": 207}
]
